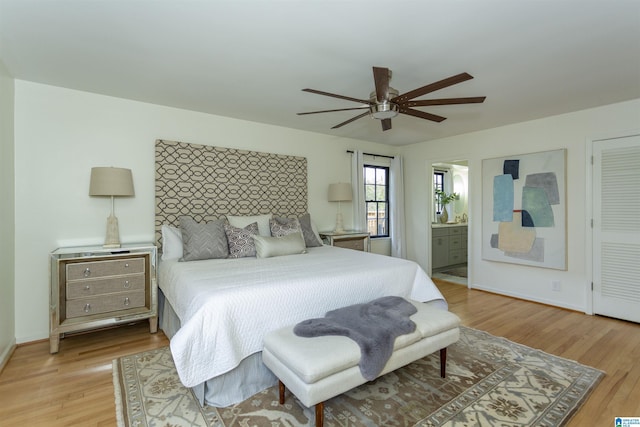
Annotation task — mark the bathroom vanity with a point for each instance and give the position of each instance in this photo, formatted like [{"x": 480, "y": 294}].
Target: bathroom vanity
[{"x": 448, "y": 245}]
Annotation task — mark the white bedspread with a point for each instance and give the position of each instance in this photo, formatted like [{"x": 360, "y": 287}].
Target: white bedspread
[{"x": 227, "y": 306}]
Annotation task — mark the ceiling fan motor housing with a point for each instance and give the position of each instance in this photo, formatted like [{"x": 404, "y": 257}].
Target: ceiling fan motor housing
[{"x": 384, "y": 109}]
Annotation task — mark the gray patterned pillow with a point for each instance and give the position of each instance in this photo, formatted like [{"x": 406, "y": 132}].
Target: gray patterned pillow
[
  {"x": 203, "y": 241},
  {"x": 240, "y": 240},
  {"x": 311, "y": 240},
  {"x": 283, "y": 226}
]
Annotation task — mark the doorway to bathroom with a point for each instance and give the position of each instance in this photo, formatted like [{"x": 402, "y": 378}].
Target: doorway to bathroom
[{"x": 449, "y": 221}]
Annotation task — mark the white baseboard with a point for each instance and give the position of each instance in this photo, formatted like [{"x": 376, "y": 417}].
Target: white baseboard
[
  {"x": 553, "y": 303},
  {"x": 6, "y": 354},
  {"x": 32, "y": 338}
]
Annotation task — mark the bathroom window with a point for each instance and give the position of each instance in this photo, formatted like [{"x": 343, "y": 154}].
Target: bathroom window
[{"x": 438, "y": 184}]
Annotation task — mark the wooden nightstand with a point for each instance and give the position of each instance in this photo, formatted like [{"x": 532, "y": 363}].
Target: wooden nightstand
[
  {"x": 94, "y": 287},
  {"x": 349, "y": 239}
]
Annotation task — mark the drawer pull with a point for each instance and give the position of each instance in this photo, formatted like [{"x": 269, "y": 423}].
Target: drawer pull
[
  {"x": 87, "y": 308},
  {"x": 126, "y": 265},
  {"x": 87, "y": 272},
  {"x": 126, "y": 285},
  {"x": 126, "y": 301},
  {"x": 87, "y": 287}
]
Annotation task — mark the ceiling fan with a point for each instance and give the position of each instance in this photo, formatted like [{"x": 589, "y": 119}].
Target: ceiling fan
[{"x": 385, "y": 102}]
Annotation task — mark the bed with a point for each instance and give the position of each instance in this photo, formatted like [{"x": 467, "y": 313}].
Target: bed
[{"x": 217, "y": 311}]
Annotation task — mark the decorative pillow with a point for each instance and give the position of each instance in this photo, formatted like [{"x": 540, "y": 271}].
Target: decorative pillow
[
  {"x": 243, "y": 221},
  {"x": 203, "y": 241},
  {"x": 240, "y": 240},
  {"x": 283, "y": 226},
  {"x": 276, "y": 246},
  {"x": 311, "y": 237},
  {"x": 171, "y": 243}
]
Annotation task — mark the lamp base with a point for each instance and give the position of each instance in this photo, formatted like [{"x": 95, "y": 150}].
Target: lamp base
[
  {"x": 113, "y": 234},
  {"x": 339, "y": 224}
]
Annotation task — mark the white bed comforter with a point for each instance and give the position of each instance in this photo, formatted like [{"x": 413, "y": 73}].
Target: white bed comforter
[{"x": 226, "y": 306}]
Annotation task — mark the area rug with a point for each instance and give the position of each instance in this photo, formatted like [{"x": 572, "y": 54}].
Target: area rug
[
  {"x": 490, "y": 381},
  {"x": 458, "y": 271}
]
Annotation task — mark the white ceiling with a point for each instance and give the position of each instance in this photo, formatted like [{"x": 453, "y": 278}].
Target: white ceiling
[{"x": 249, "y": 59}]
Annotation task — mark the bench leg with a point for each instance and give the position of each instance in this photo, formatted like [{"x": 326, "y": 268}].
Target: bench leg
[
  {"x": 319, "y": 414},
  {"x": 443, "y": 362},
  {"x": 319, "y": 406}
]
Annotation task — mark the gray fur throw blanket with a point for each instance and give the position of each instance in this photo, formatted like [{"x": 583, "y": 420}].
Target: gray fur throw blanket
[{"x": 373, "y": 325}]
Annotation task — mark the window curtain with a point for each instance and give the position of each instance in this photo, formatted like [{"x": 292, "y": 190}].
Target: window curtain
[
  {"x": 396, "y": 200},
  {"x": 357, "y": 184}
]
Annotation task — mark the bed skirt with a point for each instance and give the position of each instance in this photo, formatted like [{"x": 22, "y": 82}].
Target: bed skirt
[{"x": 237, "y": 385}]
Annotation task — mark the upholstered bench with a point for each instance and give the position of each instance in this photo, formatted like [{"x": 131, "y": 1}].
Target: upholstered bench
[{"x": 319, "y": 368}]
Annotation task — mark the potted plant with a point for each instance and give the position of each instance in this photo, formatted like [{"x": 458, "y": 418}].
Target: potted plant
[{"x": 443, "y": 199}]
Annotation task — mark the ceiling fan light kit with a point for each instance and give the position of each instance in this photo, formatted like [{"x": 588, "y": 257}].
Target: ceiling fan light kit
[
  {"x": 385, "y": 110},
  {"x": 386, "y": 102}
]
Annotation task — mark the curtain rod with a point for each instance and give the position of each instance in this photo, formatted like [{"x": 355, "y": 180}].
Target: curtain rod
[{"x": 374, "y": 155}]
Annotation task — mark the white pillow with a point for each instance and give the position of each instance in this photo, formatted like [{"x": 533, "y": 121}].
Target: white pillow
[
  {"x": 243, "y": 221},
  {"x": 290, "y": 244},
  {"x": 171, "y": 243}
]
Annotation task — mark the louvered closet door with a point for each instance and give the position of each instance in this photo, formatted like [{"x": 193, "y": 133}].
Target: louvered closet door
[{"x": 616, "y": 228}]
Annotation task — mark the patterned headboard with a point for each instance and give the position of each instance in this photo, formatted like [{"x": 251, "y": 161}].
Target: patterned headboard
[{"x": 208, "y": 182}]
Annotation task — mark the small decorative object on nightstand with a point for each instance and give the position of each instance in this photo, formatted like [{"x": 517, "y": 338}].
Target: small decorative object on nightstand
[
  {"x": 349, "y": 239},
  {"x": 94, "y": 287}
]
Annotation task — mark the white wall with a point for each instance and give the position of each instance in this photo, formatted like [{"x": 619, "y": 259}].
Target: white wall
[
  {"x": 7, "y": 195},
  {"x": 570, "y": 131},
  {"x": 60, "y": 134}
]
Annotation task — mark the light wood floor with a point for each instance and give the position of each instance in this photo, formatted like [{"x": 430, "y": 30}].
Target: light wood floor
[{"x": 74, "y": 387}]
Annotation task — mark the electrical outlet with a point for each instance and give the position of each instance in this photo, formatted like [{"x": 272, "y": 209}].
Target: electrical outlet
[{"x": 556, "y": 286}]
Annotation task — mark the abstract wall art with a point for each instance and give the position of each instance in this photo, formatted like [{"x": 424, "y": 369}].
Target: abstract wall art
[{"x": 524, "y": 218}]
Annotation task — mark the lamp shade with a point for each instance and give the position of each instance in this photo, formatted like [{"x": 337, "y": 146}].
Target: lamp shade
[
  {"x": 108, "y": 181},
  {"x": 340, "y": 192}
]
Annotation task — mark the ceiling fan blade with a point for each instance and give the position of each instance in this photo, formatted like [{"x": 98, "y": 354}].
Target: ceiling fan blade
[
  {"x": 350, "y": 120},
  {"x": 386, "y": 124},
  {"x": 348, "y": 98},
  {"x": 421, "y": 114},
  {"x": 450, "y": 81},
  {"x": 330, "y": 111},
  {"x": 381, "y": 78},
  {"x": 446, "y": 101}
]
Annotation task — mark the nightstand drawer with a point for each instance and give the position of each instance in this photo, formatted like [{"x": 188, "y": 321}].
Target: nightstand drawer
[
  {"x": 357, "y": 244},
  {"x": 87, "y": 288},
  {"x": 357, "y": 240},
  {"x": 105, "y": 304},
  {"x": 93, "y": 269}
]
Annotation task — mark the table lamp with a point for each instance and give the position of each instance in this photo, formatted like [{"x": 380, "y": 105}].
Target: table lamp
[
  {"x": 340, "y": 192},
  {"x": 111, "y": 182}
]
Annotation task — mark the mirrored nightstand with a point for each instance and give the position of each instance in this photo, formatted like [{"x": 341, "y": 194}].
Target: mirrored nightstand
[{"x": 93, "y": 287}]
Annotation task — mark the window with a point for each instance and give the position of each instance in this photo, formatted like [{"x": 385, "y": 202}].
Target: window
[
  {"x": 438, "y": 184},
  {"x": 376, "y": 190}
]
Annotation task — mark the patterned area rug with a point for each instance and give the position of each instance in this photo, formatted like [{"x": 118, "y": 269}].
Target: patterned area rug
[{"x": 490, "y": 381}]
